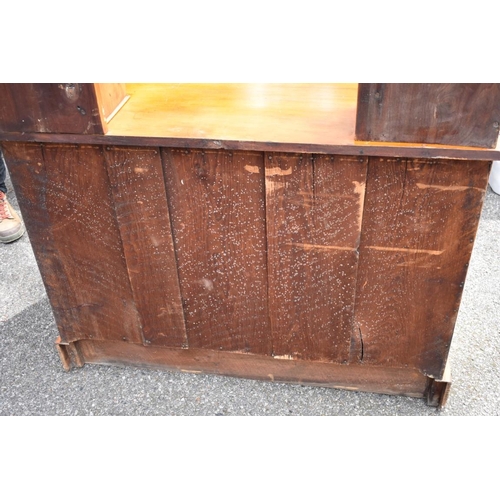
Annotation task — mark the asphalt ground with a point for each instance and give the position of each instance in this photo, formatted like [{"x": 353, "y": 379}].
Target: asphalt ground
[{"x": 33, "y": 381}]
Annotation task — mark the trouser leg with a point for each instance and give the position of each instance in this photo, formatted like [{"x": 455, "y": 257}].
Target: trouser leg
[{"x": 3, "y": 174}]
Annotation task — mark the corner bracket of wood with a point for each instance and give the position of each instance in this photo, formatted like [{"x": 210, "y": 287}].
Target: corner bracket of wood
[
  {"x": 436, "y": 393},
  {"x": 70, "y": 354}
]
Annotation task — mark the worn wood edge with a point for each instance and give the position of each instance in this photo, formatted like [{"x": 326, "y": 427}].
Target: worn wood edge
[
  {"x": 382, "y": 380},
  {"x": 69, "y": 354},
  {"x": 394, "y": 150},
  {"x": 437, "y": 391}
]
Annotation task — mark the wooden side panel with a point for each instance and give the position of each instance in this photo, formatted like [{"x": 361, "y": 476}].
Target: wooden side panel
[
  {"x": 110, "y": 97},
  {"x": 464, "y": 114},
  {"x": 66, "y": 203},
  {"x": 314, "y": 212},
  {"x": 418, "y": 230},
  {"x": 67, "y": 108},
  {"x": 140, "y": 202},
  {"x": 216, "y": 202}
]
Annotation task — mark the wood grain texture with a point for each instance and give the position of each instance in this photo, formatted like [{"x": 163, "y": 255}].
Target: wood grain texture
[
  {"x": 351, "y": 147},
  {"x": 466, "y": 114},
  {"x": 66, "y": 108},
  {"x": 304, "y": 113},
  {"x": 66, "y": 203},
  {"x": 408, "y": 382},
  {"x": 140, "y": 202},
  {"x": 216, "y": 202},
  {"x": 314, "y": 211},
  {"x": 419, "y": 225},
  {"x": 109, "y": 97}
]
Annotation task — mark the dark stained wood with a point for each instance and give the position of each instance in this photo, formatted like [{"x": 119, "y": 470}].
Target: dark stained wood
[
  {"x": 59, "y": 108},
  {"x": 356, "y": 148},
  {"x": 314, "y": 211},
  {"x": 67, "y": 206},
  {"x": 466, "y": 114},
  {"x": 437, "y": 391},
  {"x": 419, "y": 225},
  {"x": 408, "y": 382},
  {"x": 141, "y": 207},
  {"x": 216, "y": 202}
]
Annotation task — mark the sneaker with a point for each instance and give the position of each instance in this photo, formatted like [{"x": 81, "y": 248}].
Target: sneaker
[
  {"x": 11, "y": 226},
  {"x": 495, "y": 177}
]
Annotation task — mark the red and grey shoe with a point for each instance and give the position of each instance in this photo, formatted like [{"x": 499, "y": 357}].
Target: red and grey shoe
[{"x": 11, "y": 225}]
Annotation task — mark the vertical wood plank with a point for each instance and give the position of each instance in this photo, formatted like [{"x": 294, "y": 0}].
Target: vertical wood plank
[
  {"x": 216, "y": 202},
  {"x": 66, "y": 202},
  {"x": 418, "y": 230},
  {"x": 140, "y": 201},
  {"x": 314, "y": 212}
]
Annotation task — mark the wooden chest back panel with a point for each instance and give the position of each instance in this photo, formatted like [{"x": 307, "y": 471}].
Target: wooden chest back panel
[{"x": 315, "y": 257}]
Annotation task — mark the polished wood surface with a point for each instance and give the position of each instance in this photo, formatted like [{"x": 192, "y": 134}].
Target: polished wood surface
[
  {"x": 315, "y": 118},
  {"x": 280, "y": 113}
]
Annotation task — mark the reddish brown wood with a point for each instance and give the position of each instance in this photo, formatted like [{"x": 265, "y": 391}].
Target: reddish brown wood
[
  {"x": 466, "y": 114},
  {"x": 141, "y": 207},
  {"x": 216, "y": 202},
  {"x": 314, "y": 210},
  {"x": 408, "y": 382},
  {"x": 65, "y": 108},
  {"x": 67, "y": 206},
  {"x": 419, "y": 225},
  {"x": 437, "y": 391},
  {"x": 356, "y": 148},
  {"x": 69, "y": 354}
]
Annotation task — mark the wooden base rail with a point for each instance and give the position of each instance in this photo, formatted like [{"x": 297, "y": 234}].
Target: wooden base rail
[{"x": 393, "y": 381}]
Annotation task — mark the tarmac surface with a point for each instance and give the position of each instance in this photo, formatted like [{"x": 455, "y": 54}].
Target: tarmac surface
[{"x": 33, "y": 382}]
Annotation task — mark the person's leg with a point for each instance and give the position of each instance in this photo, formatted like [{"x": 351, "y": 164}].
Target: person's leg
[
  {"x": 11, "y": 226},
  {"x": 3, "y": 174}
]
